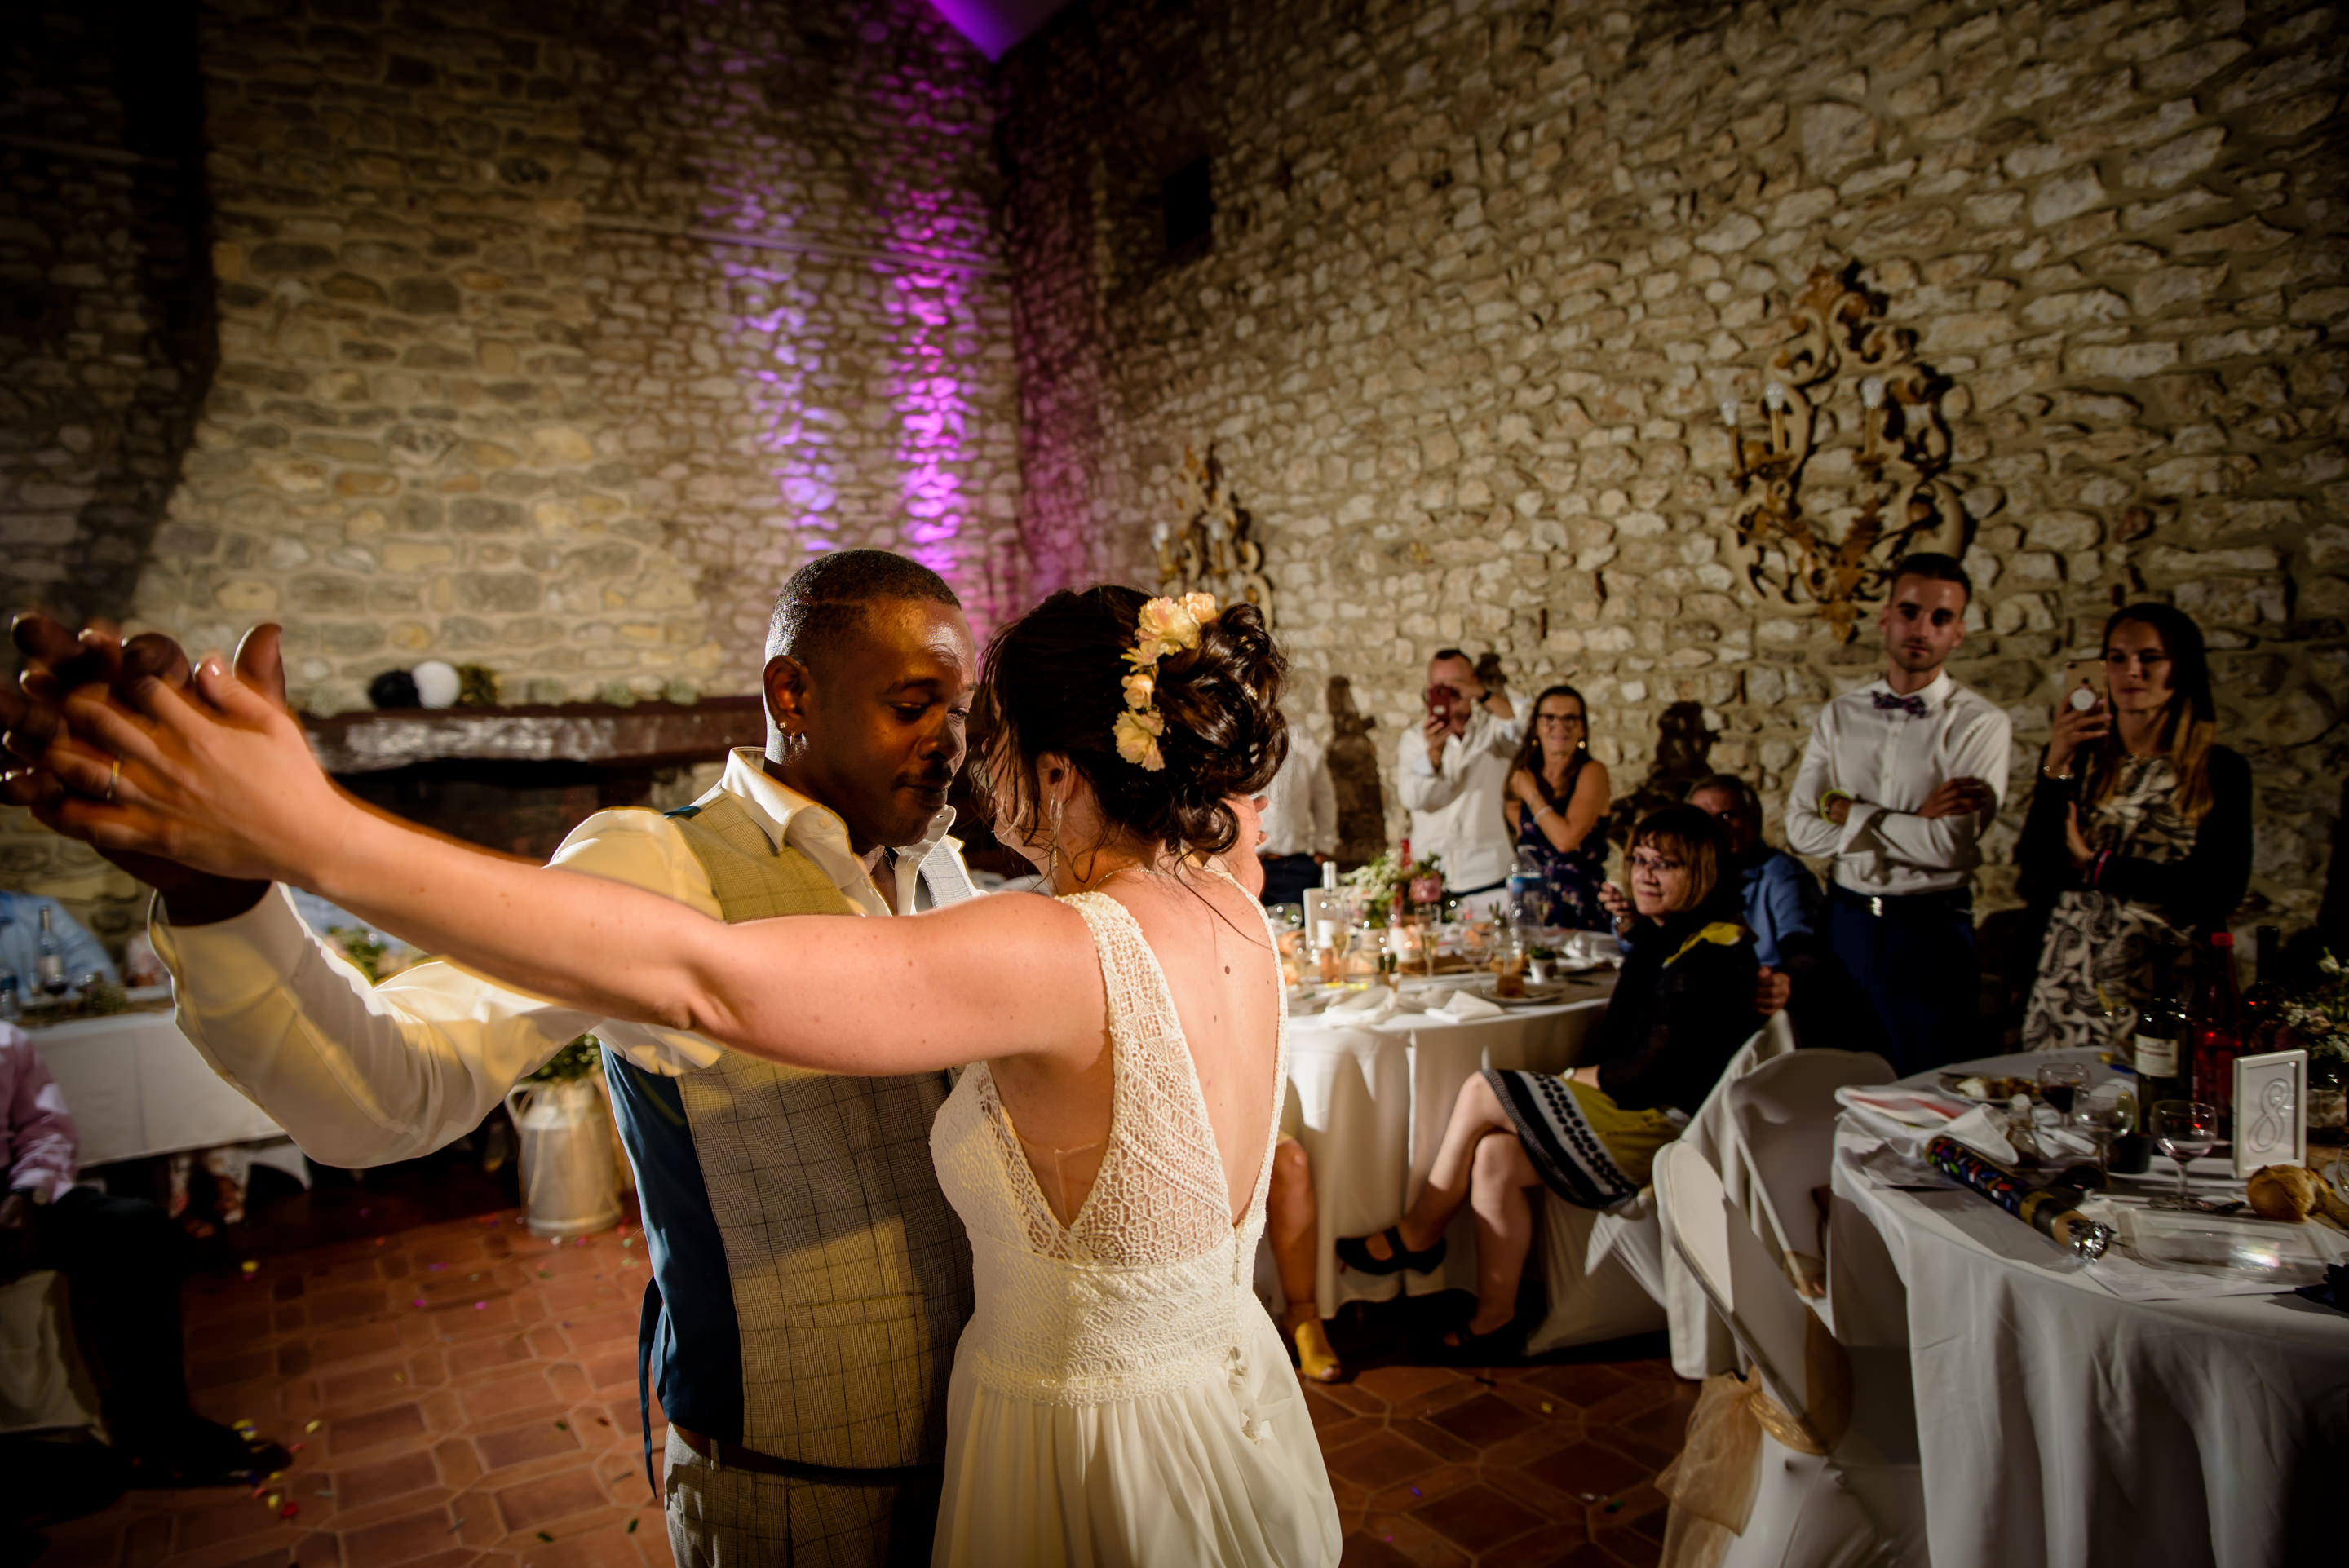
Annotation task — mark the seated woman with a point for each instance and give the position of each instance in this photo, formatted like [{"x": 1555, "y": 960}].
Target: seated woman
[
  {"x": 1557, "y": 807},
  {"x": 2139, "y": 834},
  {"x": 1683, "y": 1006}
]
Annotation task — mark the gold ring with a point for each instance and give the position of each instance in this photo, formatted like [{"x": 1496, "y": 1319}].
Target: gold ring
[{"x": 113, "y": 776}]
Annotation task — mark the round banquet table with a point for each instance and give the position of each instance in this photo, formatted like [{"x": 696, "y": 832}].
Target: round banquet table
[
  {"x": 134, "y": 1086},
  {"x": 1375, "y": 1100},
  {"x": 2061, "y": 1424}
]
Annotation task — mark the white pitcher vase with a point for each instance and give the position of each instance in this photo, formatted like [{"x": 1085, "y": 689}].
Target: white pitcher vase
[{"x": 569, "y": 1186}]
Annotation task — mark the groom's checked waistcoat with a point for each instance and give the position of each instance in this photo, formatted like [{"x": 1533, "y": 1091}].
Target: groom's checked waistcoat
[{"x": 809, "y": 1278}]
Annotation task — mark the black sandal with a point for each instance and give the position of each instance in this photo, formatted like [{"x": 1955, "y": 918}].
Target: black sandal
[
  {"x": 1466, "y": 1348},
  {"x": 1354, "y": 1252}
]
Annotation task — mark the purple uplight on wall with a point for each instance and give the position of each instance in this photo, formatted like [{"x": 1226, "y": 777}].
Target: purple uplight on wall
[
  {"x": 932, "y": 400},
  {"x": 778, "y": 318}
]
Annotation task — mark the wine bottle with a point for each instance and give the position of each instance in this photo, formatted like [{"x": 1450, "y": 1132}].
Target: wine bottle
[
  {"x": 2215, "y": 1030},
  {"x": 2264, "y": 1025},
  {"x": 49, "y": 958},
  {"x": 2159, "y": 1047}
]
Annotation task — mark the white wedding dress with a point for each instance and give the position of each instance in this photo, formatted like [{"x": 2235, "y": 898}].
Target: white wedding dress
[{"x": 1121, "y": 1396}]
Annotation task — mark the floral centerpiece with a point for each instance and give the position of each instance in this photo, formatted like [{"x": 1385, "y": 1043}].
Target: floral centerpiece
[
  {"x": 1380, "y": 881},
  {"x": 2317, "y": 1020}
]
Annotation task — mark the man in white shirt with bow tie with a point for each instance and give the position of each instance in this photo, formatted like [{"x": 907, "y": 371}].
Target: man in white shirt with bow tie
[{"x": 1898, "y": 783}]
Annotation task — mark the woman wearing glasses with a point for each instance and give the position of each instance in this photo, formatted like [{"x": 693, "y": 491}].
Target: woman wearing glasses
[
  {"x": 1683, "y": 1005},
  {"x": 2139, "y": 832},
  {"x": 1557, "y": 807}
]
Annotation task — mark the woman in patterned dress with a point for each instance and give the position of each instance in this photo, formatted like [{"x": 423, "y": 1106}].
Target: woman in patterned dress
[
  {"x": 1557, "y": 807},
  {"x": 2140, "y": 831},
  {"x": 1683, "y": 1006}
]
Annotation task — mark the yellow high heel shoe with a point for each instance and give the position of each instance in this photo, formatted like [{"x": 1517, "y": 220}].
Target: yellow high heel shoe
[{"x": 1317, "y": 1360}]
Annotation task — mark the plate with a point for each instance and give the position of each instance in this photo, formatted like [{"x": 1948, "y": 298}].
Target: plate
[
  {"x": 2210, "y": 1244},
  {"x": 1544, "y": 996},
  {"x": 1949, "y": 1082}
]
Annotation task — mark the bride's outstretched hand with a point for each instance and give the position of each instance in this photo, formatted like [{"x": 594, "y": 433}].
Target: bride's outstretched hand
[{"x": 217, "y": 778}]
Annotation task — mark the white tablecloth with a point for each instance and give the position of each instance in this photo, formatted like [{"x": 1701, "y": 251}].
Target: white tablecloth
[
  {"x": 2058, "y": 1424},
  {"x": 1376, "y": 1101},
  {"x": 134, "y": 1086}
]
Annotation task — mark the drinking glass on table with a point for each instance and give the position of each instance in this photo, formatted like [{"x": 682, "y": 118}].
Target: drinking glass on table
[
  {"x": 2185, "y": 1129},
  {"x": 2100, "y": 1114},
  {"x": 2060, "y": 1085}
]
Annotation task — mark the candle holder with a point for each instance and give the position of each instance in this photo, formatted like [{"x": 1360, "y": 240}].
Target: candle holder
[
  {"x": 1904, "y": 497},
  {"x": 1213, "y": 550}
]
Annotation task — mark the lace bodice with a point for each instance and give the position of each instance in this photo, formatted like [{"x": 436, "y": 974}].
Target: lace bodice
[{"x": 1145, "y": 1283}]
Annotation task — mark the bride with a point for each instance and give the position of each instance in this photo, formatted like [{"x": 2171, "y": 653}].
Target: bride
[{"x": 1119, "y": 1395}]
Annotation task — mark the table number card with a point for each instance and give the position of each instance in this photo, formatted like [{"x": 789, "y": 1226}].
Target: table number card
[{"x": 2271, "y": 1110}]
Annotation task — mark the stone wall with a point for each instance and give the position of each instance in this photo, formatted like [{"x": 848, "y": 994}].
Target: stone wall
[
  {"x": 1481, "y": 275},
  {"x": 551, "y": 337},
  {"x": 105, "y": 305}
]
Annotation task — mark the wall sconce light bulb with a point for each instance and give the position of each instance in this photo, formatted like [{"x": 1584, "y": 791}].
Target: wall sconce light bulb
[{"x": 1871, "y": 392}]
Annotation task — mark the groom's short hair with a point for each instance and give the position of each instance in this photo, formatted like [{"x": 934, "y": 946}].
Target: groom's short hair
[{"x": 823, "y": 602}]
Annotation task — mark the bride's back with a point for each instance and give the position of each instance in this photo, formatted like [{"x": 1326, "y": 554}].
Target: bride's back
[{"x": 1211, "y": 947}]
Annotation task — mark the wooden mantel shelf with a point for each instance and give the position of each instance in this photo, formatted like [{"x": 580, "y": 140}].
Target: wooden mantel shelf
[{"x": 649, "y": 734}]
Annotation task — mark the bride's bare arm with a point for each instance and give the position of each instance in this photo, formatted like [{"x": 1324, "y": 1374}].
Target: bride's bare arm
[{"x": 234, "y": 790}]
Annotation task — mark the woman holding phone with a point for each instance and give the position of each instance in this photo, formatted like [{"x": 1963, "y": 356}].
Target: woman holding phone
[{"x": 2140, "y": 830}]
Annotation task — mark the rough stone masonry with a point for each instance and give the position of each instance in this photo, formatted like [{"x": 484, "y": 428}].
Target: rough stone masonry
[{"x": 1482, "y": 273}]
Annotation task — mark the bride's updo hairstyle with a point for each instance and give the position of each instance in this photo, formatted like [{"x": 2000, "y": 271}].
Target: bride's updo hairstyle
[{"x": 1053, "y": 684}]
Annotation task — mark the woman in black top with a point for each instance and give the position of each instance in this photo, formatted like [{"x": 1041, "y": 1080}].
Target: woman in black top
[
  {"x": 2139, "y": 833},
  {"x": 1683, "y": 1006}
]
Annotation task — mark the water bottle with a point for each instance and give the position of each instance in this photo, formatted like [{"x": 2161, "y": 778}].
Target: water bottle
[{"x": 1528, "y": 896}]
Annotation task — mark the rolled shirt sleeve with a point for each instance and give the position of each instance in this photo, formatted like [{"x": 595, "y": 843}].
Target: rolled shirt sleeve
[
  {"x": 1808, "y": 833},
  {"x": 363, "y": 1075},
  {"x": 1940, "y": 843}
]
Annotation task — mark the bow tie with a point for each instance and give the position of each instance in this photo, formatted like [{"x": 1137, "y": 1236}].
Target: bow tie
[{"x": 1914, "y": 706}]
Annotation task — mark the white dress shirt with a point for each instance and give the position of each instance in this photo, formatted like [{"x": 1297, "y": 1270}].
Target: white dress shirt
[
  {"x": 1456, "y": 809},
  {"x": 1301, "y": 804},
  {"x": 363, "y": 1075},
  {"x": 1889, "y": 761}
]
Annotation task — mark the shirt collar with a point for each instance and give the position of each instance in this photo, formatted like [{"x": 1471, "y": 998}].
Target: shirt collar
[
  {"x": 1934, "y": 694},
  {"x": 788, "y": 817}
]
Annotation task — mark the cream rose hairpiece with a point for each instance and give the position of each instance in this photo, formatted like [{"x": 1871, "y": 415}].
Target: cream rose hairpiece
[{"x": 1164, "y": 626}]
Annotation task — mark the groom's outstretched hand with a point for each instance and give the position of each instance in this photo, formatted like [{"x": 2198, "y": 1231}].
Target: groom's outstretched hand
[{"x": 58, "y": 661}]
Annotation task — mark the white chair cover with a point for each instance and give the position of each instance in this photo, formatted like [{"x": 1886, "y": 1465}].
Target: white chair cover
[
  {"x": 1863, "y": 1502},
  {"x": 43, "y": 1383},
  {"x": 1783, "y": 1116},
  {"x": 1630, "y": 1238}
]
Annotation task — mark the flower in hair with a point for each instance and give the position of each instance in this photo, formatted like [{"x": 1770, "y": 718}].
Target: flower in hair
[
  {"x": 1137, "y": 740},
  {"x": 1163, "y": 626}
]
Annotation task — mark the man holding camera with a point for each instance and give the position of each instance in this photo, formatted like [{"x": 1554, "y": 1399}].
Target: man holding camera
[
  {"x": 1898, "y": 783},
  {"x": 1454, "y": 772}
]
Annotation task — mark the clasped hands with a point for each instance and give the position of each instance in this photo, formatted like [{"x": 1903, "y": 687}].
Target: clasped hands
[{"x": 173, "y": 771}]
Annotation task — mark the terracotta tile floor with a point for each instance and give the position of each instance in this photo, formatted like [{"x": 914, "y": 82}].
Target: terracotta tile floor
[{"x": 465, "y": 1394}]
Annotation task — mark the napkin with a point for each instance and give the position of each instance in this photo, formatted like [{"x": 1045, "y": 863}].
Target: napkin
[
  {"x": 1373, "y": 1005},
  {"x": 1464, "y": 1003},
  {"x": 1909, "y": 1119}
]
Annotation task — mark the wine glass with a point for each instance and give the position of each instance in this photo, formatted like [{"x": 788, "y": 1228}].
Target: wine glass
[
  {"x": 2060, "y": 1085},
  {"x": 2100, "y": 1113},
  {"x": 2185, "y": 1129}
]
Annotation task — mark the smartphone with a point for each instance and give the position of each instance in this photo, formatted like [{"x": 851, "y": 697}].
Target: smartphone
[
  {"x": 1439, "y": 703},
  {"x": 2086, "y": 675}
]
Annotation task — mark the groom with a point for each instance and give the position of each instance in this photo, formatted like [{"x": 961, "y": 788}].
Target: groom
[{"x": 809, "y": 1278}]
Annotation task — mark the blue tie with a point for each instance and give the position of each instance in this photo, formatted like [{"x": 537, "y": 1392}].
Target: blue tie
[{"x": 1914, "y": 706}]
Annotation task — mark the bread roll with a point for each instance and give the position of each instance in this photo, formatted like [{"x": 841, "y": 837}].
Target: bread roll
[{"x": 2284, "y": 1192}]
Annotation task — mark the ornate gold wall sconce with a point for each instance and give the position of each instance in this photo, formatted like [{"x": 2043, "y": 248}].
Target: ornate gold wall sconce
[
  {"x": 1213, "y": 550},
  {"x": 1846, "y": 368}
]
